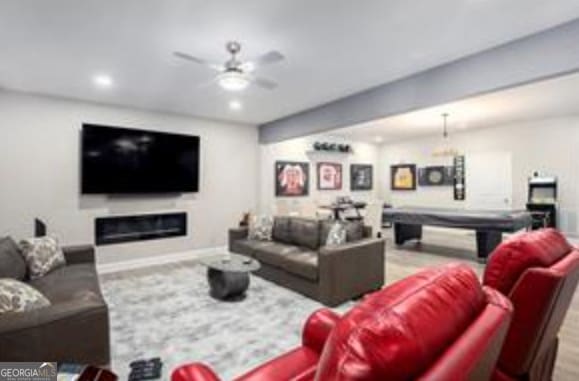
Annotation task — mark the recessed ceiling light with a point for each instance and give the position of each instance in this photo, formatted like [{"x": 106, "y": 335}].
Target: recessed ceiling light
[
  {"x": 235, "y": 105},
  {"x": 102, "y": 80}
]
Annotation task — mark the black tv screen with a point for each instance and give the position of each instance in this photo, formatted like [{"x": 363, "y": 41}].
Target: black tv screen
[{"x": 123, "y": 160}]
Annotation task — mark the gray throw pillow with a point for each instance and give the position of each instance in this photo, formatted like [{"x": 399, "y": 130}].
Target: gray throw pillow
[
  {"x": 16, "y": 296},
  {"x": 260, "y": 228},
  {"x": 12, "y": 263},
  {"x": 336, "y": 235},
  {"x": 354, "y": 231},
  {"x": 42, "y": 255}
]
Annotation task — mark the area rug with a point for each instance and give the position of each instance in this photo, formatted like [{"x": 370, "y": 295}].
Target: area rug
[{"x": 167, "y": 312}]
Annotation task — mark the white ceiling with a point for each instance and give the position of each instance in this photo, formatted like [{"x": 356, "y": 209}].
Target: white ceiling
[
  {"x": 333, "y": 47},
  {"x": 552, "y": 98}
]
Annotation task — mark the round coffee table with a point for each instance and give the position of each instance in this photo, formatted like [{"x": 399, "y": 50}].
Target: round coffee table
[{"x": 228, "y": 275}]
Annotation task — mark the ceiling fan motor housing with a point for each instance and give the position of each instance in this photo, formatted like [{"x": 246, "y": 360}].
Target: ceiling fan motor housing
[{"x": 233, "y": 47}]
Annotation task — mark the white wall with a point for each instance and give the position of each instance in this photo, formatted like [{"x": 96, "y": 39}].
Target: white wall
[
  {"x": 300, "y": 150},
  {"x": 549, "y": 146},
  {"x": 40, "y": 175}
]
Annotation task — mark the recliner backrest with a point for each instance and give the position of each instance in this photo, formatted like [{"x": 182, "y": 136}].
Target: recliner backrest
[
  {"x": 436, "y": 324},
  {"x": 539, "y": 272}
]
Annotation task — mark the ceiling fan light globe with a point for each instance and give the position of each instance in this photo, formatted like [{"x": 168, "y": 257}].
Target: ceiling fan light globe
[{"x": 232, "y": 81}]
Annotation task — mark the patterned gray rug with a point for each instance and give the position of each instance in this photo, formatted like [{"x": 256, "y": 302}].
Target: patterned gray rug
[{"x": 166, "y": 311}]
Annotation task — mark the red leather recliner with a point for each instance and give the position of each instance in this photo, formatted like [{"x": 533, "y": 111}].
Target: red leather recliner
[
  {"x": 437, "y": 325},
  {"x": 538, "y": 271}
]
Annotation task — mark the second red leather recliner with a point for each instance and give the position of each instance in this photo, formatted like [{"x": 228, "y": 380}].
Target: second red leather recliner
[
  {"x": 539, "y": 272},
  {"x": 437, "y": 325}
]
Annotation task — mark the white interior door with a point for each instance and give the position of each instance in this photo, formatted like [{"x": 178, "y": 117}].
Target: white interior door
[{"x": 489, "y": 181}]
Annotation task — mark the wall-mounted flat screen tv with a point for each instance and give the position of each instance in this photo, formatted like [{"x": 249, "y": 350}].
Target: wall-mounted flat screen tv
[{"x": 129, "y": 161}]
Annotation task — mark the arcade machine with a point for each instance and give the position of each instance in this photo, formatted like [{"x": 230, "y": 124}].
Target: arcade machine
[{"x": 542, "y": 201}]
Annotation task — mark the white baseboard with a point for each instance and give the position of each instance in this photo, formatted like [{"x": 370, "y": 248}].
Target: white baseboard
[{"x": 108, "y": 268}]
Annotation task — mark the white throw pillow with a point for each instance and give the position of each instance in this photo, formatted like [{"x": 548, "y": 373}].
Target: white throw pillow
[
  {"x": 16, "y": 296},
  {"x": 261, "y": 228},
  {"x": 42, "y": 255},
  {"x": 336, "y": 235}
]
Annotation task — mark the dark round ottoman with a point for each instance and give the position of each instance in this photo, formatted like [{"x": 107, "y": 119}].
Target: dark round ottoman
[{"x": 228, "y": 275}]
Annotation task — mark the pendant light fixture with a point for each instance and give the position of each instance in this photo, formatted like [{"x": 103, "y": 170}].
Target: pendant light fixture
[{"x": 445, "y": 150}]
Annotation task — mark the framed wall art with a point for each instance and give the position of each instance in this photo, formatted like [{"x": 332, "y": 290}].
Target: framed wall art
[
  {"x": 361, "y": 177},
  {"x": 403, "y": 177},
  {"x": 459, "y": 179},
  {"x": 436, "y": 176},
  {"x": 329, "y": 176},
  {"x": 292, "y": 178}
]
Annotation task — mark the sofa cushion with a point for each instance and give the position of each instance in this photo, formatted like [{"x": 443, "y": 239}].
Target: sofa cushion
[
  {"x": 540, "y": 248},
  {"x": 293, "y": 259},
  {"x": 304, "y": 264},
  {"x": 281, "y": 229},
  {"x": 16, "y": 296},
  {"x": 274, "y": 253},
  {"x": 305, "y": 232},
  {"x": 12, "y": 264},
  {"x": 71, "y": 282},
  {"x": 242, "y": 246},
  {"x": 42, "y": 255},
  {"x": 248, "y": 246},
  {"x": 397, "y": 333}
]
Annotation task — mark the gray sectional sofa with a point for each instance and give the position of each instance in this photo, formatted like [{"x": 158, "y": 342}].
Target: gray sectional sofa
[
  {"x": 74, "y": 328},
  {"x": 297, "y": 258}
]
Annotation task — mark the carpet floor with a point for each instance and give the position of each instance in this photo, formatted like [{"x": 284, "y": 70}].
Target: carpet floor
[{"x": 166, "y": 311}]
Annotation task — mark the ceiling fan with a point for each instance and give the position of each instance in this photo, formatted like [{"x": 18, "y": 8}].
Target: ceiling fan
[{"x": 235, "y": 75}]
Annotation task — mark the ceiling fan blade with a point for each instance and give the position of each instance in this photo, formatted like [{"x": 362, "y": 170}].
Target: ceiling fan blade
[
  {"x": 196, "y": 60},
  {"x": 265, "y": 59},
  {"x": 265, "y": 83}
]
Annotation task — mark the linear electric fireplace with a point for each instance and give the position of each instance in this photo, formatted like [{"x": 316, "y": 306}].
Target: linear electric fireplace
[{"x": 120, "y": 229}]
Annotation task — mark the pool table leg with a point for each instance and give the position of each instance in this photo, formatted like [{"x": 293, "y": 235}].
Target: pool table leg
[
  {"x": 486, "y": 242},
  {"x": 404, "y": 232}
]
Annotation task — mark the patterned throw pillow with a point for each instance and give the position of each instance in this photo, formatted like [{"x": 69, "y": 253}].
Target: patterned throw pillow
[
  {"x": 261, "y": 228},
  {"x": 42, "y": 255},
  {"x": 337, "y": 235},
  {"x": 16, "y": 296}
]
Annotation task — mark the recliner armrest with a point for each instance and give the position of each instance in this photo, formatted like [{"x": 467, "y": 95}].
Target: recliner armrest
[
  {"x": 79, "y": 254},
  {"x": 318, "y": 328},
  {"x": 194, "y": 372}
]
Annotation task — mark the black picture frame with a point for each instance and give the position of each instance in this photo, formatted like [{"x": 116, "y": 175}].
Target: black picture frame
[
  {"x": 436, "y": 176},
  {"x": 400, "y": 173},
  {"x": 361, "y": 177},
  {"x": 300, "y": 172}
]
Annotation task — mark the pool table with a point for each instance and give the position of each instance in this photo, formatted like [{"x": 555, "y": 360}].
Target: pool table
[{"x": 488, "y": 224}]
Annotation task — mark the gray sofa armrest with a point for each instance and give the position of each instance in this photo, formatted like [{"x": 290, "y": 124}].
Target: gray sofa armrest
[
  {"x": 350, "y": 270},
  {"x": 79, "y": 254},
  {"x": 75, "y": 331},
  {"x": 236, "y": 234}
]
